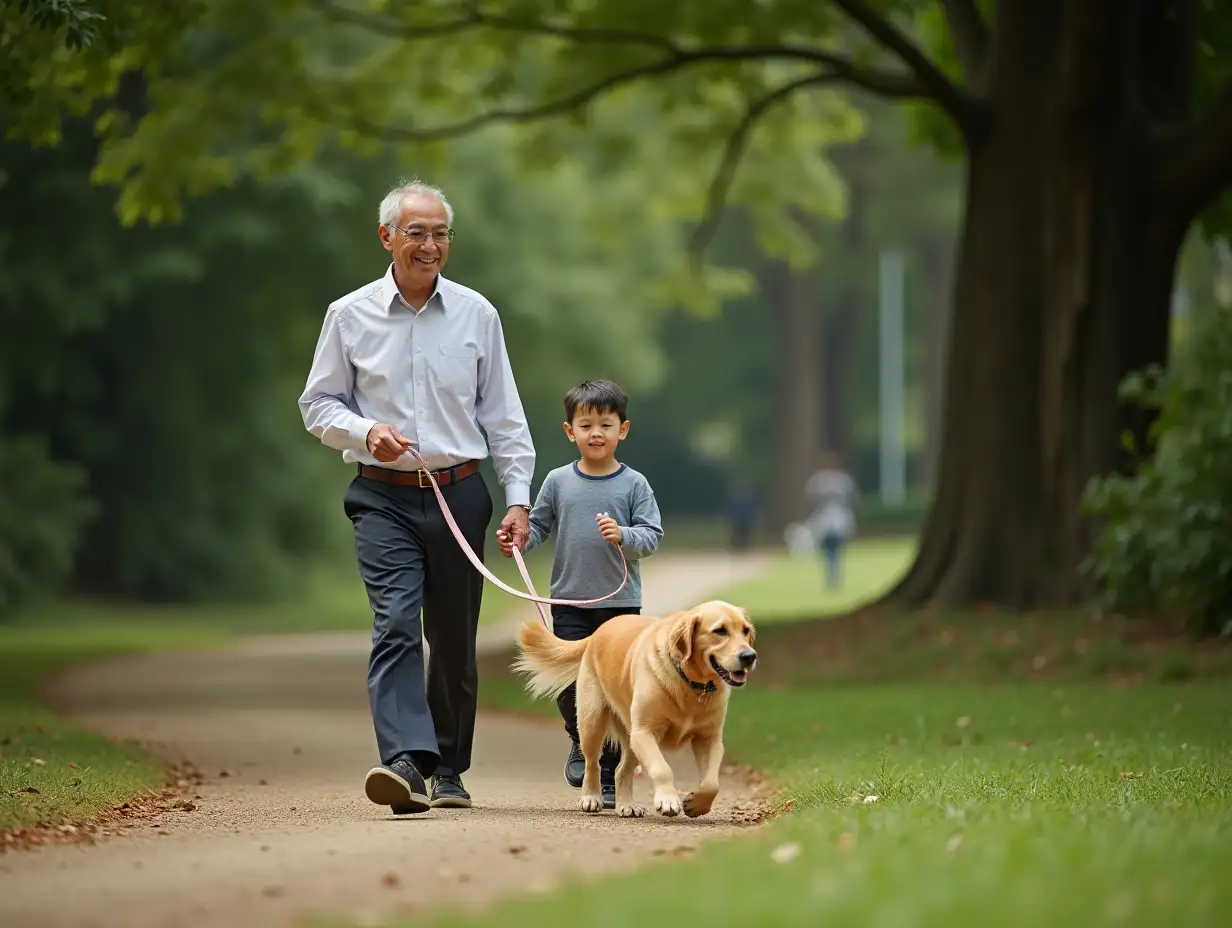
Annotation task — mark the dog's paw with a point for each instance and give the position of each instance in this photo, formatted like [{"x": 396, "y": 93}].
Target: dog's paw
[
  {"x": 697, "y": 804},
  {"x": 668, "y": 804},
  {"x": 632, "y": 810},
  {"x": 592, "y": 804}
]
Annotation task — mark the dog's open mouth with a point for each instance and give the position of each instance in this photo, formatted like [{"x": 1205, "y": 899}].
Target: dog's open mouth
[{"x": 730, "y": 677}]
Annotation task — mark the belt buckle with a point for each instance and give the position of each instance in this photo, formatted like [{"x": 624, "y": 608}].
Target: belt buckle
[{"x": 420, "y": 474}]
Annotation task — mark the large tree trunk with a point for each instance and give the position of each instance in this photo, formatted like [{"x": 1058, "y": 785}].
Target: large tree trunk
[{"x": 1063, "y": 282}]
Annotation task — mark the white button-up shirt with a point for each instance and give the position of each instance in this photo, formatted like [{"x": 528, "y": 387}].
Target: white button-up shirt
[{"x": 437, "y": 375}]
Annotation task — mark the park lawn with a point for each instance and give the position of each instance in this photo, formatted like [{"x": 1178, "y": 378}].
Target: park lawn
[
  {"x": 794, "y": 587},
  {"x": 1026, "y": 804},
  {"x": 77, "y": 773}
]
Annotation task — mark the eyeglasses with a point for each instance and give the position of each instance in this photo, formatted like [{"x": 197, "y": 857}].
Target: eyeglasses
[{"x": 419, "y": 235}]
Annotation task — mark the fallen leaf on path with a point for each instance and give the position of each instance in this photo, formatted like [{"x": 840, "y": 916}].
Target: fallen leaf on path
[
  {"x": 785, "y": 853},
  {"x": 680, "y": 850},
  {"x": 517, "y": 849},
  {"x": 390, "y": 879},
  {"x": 273, "y": 891},
  {"x": 186, "y": 805}
]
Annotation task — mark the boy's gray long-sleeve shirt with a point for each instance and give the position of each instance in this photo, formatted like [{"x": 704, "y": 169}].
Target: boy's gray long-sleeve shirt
[{"x": 586, "y": 564}]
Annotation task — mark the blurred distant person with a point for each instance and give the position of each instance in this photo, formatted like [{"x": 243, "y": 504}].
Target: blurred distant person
[
  {"x": 414, "y": 359},
  {"x": 832, "y": 493},
  {"x": 741, "y": 513}
]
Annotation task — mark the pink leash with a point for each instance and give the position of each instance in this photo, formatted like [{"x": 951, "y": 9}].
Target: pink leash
[{"x": 534, "y": 597}]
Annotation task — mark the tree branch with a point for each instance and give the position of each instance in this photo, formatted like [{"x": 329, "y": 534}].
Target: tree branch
[
  {"x": 970, "y": 35},
  {"x": 960, "y": 105},
  {"x": 885, "y": 83},
  {"x": 1192, "y": 165},
  {"x": 733, "y": 151},
  {"x": 890, "y": 84}
]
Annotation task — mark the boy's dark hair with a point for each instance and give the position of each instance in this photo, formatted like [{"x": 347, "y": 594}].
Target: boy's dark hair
[{"x": 600, "y": 395}]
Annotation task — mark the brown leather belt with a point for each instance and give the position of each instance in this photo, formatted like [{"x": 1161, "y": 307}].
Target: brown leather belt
[{"x": 417, "y": 478}]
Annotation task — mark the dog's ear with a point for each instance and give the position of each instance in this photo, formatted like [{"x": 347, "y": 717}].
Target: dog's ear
[
  {"x": 752, "y": 628},
  {"x": 680, "y": 644}
]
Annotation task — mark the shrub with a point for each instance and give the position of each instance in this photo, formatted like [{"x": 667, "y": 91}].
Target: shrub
[
  {"x": 1164, "y": 542},
  {"x": 43, "y": 507}
]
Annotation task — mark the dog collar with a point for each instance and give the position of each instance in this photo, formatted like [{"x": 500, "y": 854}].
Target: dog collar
[{"x": 707, "y": 687}]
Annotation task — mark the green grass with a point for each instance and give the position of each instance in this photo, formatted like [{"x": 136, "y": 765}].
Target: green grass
[
  {"x": 1024, "y": 804},
  {"x": 794, "y": 587},
  {"x": 76, "y": 772}
]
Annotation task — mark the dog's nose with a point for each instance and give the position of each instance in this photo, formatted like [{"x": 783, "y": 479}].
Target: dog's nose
[{"x": 747, "y": 657}]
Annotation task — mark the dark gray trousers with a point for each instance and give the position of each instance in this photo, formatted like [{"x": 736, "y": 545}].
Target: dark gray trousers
[{"x": 409, "y": 560}]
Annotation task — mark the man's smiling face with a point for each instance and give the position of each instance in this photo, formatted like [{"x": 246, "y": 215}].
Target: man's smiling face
[{"x": 419, "y": 262}]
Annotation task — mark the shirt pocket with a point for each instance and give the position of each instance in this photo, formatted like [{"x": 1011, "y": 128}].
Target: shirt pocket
[{"x": 455, "y": 369}]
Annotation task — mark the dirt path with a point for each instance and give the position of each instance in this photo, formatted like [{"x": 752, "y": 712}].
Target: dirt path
[{"x": 288, "y": 832}]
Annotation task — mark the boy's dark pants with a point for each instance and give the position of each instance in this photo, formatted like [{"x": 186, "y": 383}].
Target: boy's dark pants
[{"x": 573, "y": 623}]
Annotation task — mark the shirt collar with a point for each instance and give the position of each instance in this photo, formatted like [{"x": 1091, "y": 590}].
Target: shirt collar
[{"x": 390, "y": 294}]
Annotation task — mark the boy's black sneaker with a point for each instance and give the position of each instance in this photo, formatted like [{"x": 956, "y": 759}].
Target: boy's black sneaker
[
  {"x": 400, "y": 786},
  {"x": 575, "y": 766}
]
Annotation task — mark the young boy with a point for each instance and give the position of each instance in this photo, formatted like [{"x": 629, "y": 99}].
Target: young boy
[{"x": 594, "y": 488}]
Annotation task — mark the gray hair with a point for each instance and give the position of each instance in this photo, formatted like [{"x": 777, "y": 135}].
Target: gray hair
[{"x": 391, "y": 206}]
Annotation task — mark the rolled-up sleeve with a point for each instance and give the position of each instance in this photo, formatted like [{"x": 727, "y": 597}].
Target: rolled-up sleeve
[
  {"x": 499, "y": 410},
  {"x": 325, "y": 404}
]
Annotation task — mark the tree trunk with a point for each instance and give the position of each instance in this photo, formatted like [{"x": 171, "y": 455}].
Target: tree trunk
[
  {"x": 790, "y": 297},
  {"x": 1063, "y": 282},
  {"x": 841, "y": 325},
  {"x": 940, "y": 271}
]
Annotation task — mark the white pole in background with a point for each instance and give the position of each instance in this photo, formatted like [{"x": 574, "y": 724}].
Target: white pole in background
[{"x": 893, "y": 460}]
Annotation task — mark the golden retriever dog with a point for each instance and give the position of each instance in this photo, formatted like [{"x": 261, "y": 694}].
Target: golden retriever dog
[{"x": 654, "y": 685}]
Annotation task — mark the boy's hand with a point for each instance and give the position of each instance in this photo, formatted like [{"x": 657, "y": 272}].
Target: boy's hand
[
  {"x": 609, "y": 529},
  {"x": 505, "y": 541}
]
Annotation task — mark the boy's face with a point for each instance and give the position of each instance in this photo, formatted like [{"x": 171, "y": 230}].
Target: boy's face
[{"x": 596, "y": 433}]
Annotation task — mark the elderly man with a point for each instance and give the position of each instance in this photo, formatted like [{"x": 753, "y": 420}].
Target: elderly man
[{"x": 414, "y": 359}]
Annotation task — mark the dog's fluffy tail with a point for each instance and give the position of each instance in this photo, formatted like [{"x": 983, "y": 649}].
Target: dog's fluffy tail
[{"x": 551, "y": 663}]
